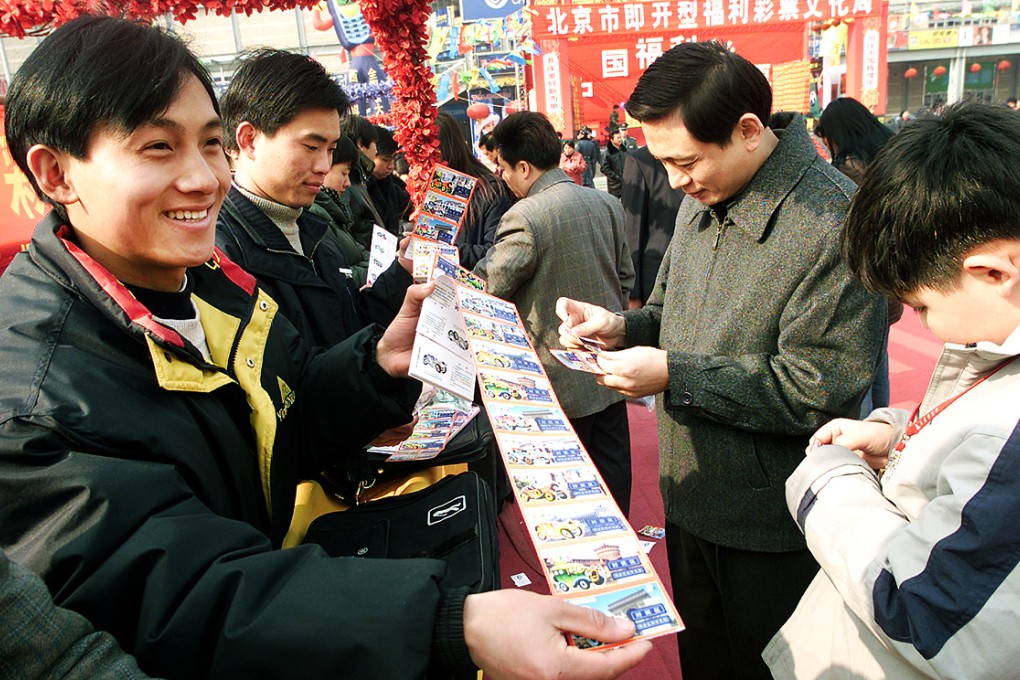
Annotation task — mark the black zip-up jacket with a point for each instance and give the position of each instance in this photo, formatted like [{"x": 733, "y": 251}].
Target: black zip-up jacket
[
  {"x": 312, "y": 289},
  {"x": 151, "y": 489}
]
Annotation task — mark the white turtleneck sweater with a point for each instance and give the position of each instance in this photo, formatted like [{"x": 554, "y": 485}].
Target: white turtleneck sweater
[{"x": 281, "y": 215}]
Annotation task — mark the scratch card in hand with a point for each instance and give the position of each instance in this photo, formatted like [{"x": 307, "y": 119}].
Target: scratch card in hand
[
  {"x": 579, "y": 361},
  {"x": 592, "y": 345}
]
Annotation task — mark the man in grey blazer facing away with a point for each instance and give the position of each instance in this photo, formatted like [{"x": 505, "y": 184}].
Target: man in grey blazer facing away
[{"x": 562, "y": 239}]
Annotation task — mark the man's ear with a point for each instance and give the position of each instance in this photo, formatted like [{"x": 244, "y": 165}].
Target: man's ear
[
  {"x": 49, "y": 168},
  {"x": 524, "y": 168},
  {"x": 245, "y": 137},
  {"x": 750, "y": 131},
  {"x": 995, "y": 268}
]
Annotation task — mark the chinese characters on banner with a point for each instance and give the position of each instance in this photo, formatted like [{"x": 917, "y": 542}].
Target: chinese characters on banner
[
  {"x": 607, "y": 70},
  {"x": 606, "y": 47},
  {"x": 565, "y": 20}
]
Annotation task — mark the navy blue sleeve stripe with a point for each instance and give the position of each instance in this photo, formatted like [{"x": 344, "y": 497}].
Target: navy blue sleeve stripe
[
  {"x": 806, "y": 503},
  {"x": 963, "y": 569}
]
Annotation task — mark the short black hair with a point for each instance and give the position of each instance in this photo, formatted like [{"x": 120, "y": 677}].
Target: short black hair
[
  {"x": 707, "y": 86},
  {"x": 402, "y": 167},
  {"x": 485, "y": 141},
  {"x": 527, "y": 136},
  {"x": 272, "y": 87},
  {"x": 92, "y": 72},
  {"x": 359, "y": 130},
  {"x": 345, "y": 151},
  {"x": 940, "y": 187},
  {"x": 385, "y": 144}
]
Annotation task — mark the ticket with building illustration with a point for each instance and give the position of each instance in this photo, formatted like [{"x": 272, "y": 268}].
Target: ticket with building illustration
[
  {"x": 575, "y": 521},
  {"x": 488, "y": 354},
  {"x": 491, "y": 307},
  {"x": 527, "y": 419},
  {"x": 482, "y": 328},
  {"x": 515, "y": 388},
  {"x": 435, "y": 228},
  {"x": 450, "y": 267},
  {"x": 590, "y": 566},
  {"x": 645, "y": 604},
  {"x": 448, "y": 181}
]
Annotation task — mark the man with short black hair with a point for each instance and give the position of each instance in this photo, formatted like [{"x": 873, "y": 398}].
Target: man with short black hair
[
  {"x": 589, "y": 150},
  {"x": 612, "y": 162},
  {"x": 364, "y": 211},
  {"x": 918, "y": 562},
  {"x": 755, "y": 334},
  {"x": 283, "y": 111},
  {"x": 388, "y": 192},
  {"x": 562, "y": 239}
]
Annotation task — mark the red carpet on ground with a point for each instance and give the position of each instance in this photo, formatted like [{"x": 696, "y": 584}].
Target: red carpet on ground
[{"x": 912, "y": 354}]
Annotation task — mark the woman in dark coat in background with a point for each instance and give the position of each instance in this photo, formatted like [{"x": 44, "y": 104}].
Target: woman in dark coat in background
[
  {"x": 854, "y": 136},
  {"x": 489, "y": 201}
]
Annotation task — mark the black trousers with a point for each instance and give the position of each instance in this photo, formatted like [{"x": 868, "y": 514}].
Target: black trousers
[
  {"x": 732, "y": 602},
  {"x": 606, "y": 437}
]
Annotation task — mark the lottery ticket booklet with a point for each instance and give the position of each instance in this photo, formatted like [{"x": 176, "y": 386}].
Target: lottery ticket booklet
[
  {"x": 441, "y": 416},
  {"x": 440, "y": 355},
  {"x": 439, "y": 219}
]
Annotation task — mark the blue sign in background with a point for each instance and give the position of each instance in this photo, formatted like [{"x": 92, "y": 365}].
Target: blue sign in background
[{"x": 479, "y": 10}]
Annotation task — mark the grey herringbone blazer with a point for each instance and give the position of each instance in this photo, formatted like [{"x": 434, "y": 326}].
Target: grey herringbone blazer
[{"x": 561, "y": 240}]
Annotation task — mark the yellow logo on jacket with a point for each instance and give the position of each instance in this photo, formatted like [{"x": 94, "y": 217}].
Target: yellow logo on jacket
[{"x": 287, "y": 398}]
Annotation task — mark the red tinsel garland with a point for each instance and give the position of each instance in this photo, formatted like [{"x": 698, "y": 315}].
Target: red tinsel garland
[
  {"x": 399, "y": 27},
  {"x": 29, "y": 17},
  {"x": 401, "y": 33}
]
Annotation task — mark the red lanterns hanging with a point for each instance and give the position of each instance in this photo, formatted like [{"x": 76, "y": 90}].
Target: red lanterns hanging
[
  {"x": 938, "y": 71},
  {"x": 478, "y": 111},
  {"x": 511, "y": 108},
  {"x": 1004, "y": 65},
  {"x": 910, "y": 73},
  {"x": 975, "y": 67}
]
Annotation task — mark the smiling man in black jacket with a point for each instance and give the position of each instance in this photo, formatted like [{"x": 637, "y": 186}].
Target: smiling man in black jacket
[{"x": 156, "y": 410}]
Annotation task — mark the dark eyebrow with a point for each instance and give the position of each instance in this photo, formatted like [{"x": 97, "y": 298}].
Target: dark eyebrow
[
  {"x": 316, "y": 137},
  {"x": 679, "y": 159},
  {"x": 170, "y": 124}
]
